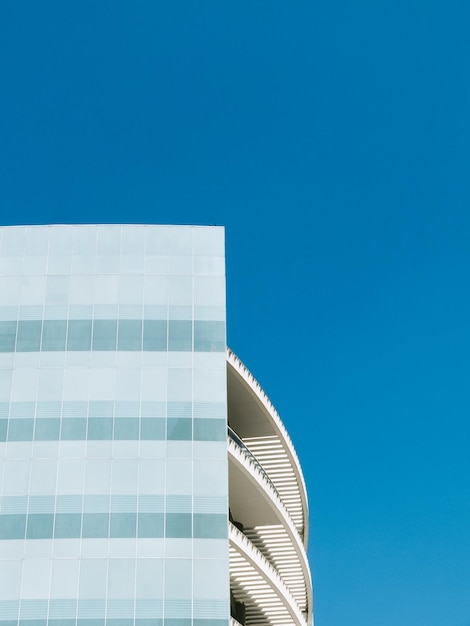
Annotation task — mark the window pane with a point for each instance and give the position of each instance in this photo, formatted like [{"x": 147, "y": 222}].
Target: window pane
[
  {"x": 152, "y": 428},
  {"x": 100, "y": 428},
  {"x": 178, "y": 525},
  {"x": 155, "y": 335},
  {"x": 179, "y": 429},
  {"x": 209, "y": 336},
  {"x": 150, "y": 525},
  {"x": 67, "y": 525},
  {"x": 40, "y": 526},
  {"x": 95, "y": 525},
  {"x": 79, "y": 335},
  {"x": 180, "y": 335},
  {"x": 210, "y": 429},
  {"x": 104, "y": 334},
  {"x": 210, "y": 526},
  {"x": 130, "y": 335},
  {"x": 126, "y": 428},
  {"x": 21, "y": 430},
  {"x": 7, "y": 336},
  {"x": 47, "y": 429},
  {"x": 29, "y": 336},
  {"x": 3, "y": 430},
  {"x": 123, "y": 525},
  {"x": 73, "y": 429},
  {"x": 53, "y": 335},
  {"x": 12, "y": 526}
]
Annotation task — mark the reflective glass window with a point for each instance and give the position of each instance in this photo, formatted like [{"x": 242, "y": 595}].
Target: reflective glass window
[
  {"x": 179, "y": 429},
  {"x": 79, "y": 335},
  {"x": 100, "y": 428},
  {"x": 21, "y": 430},
  {"x": 210, "y": 526},
  {"x": 178, "y": 525},
  {"x": 123, "y": 525},
  {"x": 104, "y": 334},
  {"x": 73, "y": 429},
  {"x": 209, "y": 336},
  {"x": 47, "y": 429},
  {"x": 28, "y": 338},
  {"x": 152, "y": 428},
  {"x": 95, "y": 525},
  {"x": 130, "y": 335},
  {"x": 126, "y": 428},
  {"x": 53, "y": 335},
  {"x": 155, "y": 335},
  {"x": 67, "y": 525},
  {"x": 40, "y": 526},
  {"x": 210, "y": 429},
  {"x": 7, "y": 336},
  {"x": 150, "y": 525},
  {"x": 12, "y": 526},
  {"x": 180, "y": 335}
]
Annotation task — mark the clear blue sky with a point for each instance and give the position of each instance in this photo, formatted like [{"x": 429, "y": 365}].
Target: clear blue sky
[{"x": 332, "y": 139}]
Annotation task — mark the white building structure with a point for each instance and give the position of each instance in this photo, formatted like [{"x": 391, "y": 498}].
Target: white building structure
[{"x": 123, "y": 501}]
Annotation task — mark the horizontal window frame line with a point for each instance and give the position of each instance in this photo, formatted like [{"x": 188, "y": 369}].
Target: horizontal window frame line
[{"x": 110, "y": 335}]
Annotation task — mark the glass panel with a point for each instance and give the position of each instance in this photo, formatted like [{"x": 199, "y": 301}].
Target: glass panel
[
  {"x": 47, "y": 429},
  {"x": 29, "y": 336},
  {"x": 180, "y": 335},
  {"x": 100, "y": 428},
  {"x": 95, "y": 525},
  {"x": 7, "y": 336},
  {"x": 130, "y": 335},
  {"x": 3, "y": 430},
  {"x": 53, "y": 335},
  {"x": 209, "y": 336},
  {"x": 73, "y": 429},
  {"x": 150, "y": 525},
  {"x": 155, "y": 335},
  {"x": 21, "y": 430},
  {"x": 79, "y": 335},
  {"x": 210, "y": 429},
  {"x": 123, "y": 525},
  {"x": 152, "y": 428},
  {"x": 179, "y": 429},
  {"x": 210, "y": 526},
  {"x": 104, "y": 334},
  {"x": 67, "y": 525},
  {"x": 178, "y": 525},
  {"x": 126, "y": 428},
  {"x": 12, "y": 526},
  {"x": 40, "y": 526}
]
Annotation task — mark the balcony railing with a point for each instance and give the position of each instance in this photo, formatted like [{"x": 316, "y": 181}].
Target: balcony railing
[{"x": 234, "y": 437}]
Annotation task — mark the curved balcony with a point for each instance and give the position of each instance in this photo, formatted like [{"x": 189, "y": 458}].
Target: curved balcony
[
  {"x": 260, "y": 429},
  {"x": 258, "y": 510},
  {"x": 257, "y": 585}
]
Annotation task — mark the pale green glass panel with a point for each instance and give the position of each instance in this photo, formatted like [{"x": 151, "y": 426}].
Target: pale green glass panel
[
  {"x": 95, "y": 525},
  {"x": 53, "y": 335},
  {"x": 28, "y": 338},
  {"x": 12, "y": 526},
  {"x": 178, "y": 525},
  {"x": 7, "y": 336},
  {"x": 21, "y": 430},
  {"x": 209, "y": 526},
  {"x": 150, "y": 525},
  {"x": 179, "y": 429},
  {"x": 155, "y": 335},
  {"x": 180, "y": 335},
  {"x": 126, "y": 428},
  {"x": 100, "y": 428},
  {"x": 47, "y": 429},
  {"x": 40, "y": 526},
  {"x": 210, "y": 429},
  {"x": 130, "y": 335},
  {"x": 209, "y": 336},
  {"x": 79, "y": 335},
  {"x": 123, "y": 525},
  {"x": 73, "y": 429},
  {"x": 152, "y": 428},
  {"x": 67, "y": 525},
  {"x": 104, "y": 334}
]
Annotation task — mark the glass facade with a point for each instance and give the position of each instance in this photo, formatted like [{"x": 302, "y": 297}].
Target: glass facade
[{"x": 113, "y": 418}]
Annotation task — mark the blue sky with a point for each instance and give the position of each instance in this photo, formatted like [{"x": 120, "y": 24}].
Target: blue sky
[{"x": 332, "y": 140}]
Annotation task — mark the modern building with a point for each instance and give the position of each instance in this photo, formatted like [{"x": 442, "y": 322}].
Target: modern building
[{"x": 123, "y": 500}]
